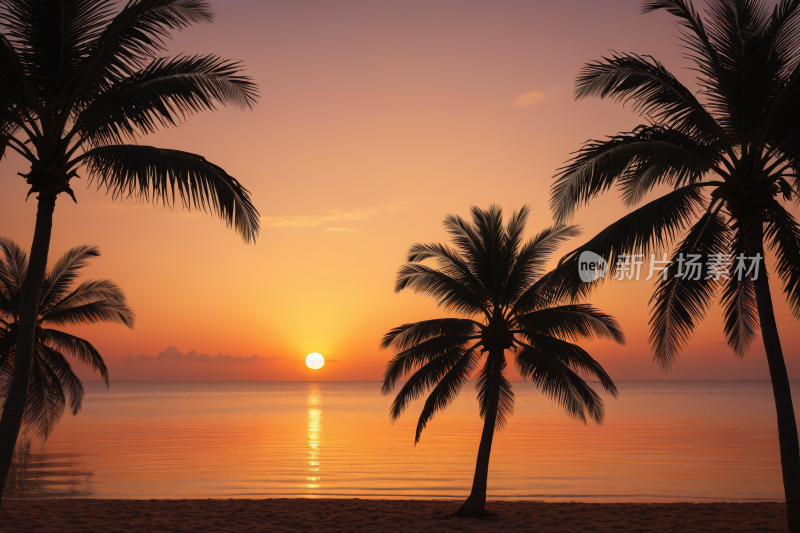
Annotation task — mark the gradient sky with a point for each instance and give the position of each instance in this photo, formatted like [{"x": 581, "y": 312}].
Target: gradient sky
[{"x": 376, "y": 119}]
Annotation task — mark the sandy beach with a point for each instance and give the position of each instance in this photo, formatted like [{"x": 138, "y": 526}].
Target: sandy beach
[{"x": 296, "y": 515}]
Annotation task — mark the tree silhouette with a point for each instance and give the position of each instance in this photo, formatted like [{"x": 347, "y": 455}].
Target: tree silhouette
[
  {"x": 81, "y": 81},
  {"x": 53, "y": 383},
  {"x": 498, "y": 284},
  {"x": 730, "y": 160}
]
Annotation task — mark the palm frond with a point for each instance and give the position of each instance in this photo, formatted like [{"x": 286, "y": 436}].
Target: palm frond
[
  {"x": 492, "y": 268},
  {"x": 739, "y": 304},
  {"x": 63, "y": 373},
  {"x": 654, "y": 225},
  {"x": 573, "y": 322},
  {"x": 419, "y": 354},
  {"x": 64, "y": 273},
  {"x": 450, "y": 263},
  {"x": 88, "y": 291},
  {"x": 426, "y": 377},
  {"x": 466, "y": 239},
  {"x": 515, "y": 229},
  {"x": 653, "y": 90},
  {"x": 560, "y": 383},
  {"x": 785, "y": 39},
  {"x": 531, "y": 262},
  {"x": 46, "y": 398},
  {"x": 783, "y": 64},
  {"x": 702, "y": 52},
  {"x": 574, "y": 357},
  {"x": 680, "y": 303},
  {"x": 637, "y": 161},
  {"x": 447, "y": 388},
  {"x": 505, "y": 398},
  {"x": 77, "y": 347},
  {"x": 164, "y": 94},
  {"x": 147, "y": 173},
  {"x": 549, "y": 291},
  {"x": 54, "y": 39},
  {"x": 737, "y": 30},
  {"x": 782, "y": 233},
  {"x": 16, "y": 93},
  {"x": 133, "y": 37},
  {"x": 111, "y": 311},
  {"x": 409, "y": 335},
  {"x": 7, "y": 342},
  {"x": 13, "y": 270},
  {"x": 450, "y": 293}
]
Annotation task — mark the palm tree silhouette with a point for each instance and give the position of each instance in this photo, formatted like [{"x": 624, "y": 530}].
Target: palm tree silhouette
[
  {"x": 81, "y": 82},
  {"x": 729, "y": 159},
  {"x": 493, "y": 275},
  {"x": 53, "y": 383}
]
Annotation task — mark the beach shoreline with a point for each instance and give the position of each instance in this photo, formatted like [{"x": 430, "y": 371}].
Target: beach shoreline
[{"x": 371, "y": 515}]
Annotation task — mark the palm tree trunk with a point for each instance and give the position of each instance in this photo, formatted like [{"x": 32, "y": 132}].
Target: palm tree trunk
[
  {"x": 14, "y": 408},
  {"x": 787, "y": 424},
  {"x": 475, "y": 503}
]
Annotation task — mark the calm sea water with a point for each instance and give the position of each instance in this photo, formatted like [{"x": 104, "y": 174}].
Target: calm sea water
[{"x": 662, "y": 441}]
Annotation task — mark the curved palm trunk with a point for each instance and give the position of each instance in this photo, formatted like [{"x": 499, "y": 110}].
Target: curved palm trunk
[
  {"x": 14, "y": 408},
  {"x": 787, "y": 424},
  {"x": 474, "y": 506}
]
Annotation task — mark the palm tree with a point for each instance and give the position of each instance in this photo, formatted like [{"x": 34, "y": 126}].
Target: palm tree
[
  {"x": 730, "y": 158},
  {"x": 53, "y": 383},
  {"x": 80, "y": 82},
  {"x": 497, "y": 282}
]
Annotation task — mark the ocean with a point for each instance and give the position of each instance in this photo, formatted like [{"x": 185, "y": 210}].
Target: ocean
[{"x": 661, "y": 442}]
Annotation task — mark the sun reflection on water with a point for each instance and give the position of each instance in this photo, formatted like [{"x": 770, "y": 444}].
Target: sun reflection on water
[{"x": 314, "y": 401}]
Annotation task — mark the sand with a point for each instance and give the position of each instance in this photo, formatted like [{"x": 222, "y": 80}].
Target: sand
[{"x": 296, "y": 515}]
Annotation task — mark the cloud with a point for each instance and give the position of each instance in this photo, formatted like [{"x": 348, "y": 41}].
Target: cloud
[
  {"x": 528, "y": 99},
  {"x": 340, "y": 230},
  {"x": 334, "y": 215},
  {"x": 330, "y": 217},
  {"x": 173, "y": 354}
]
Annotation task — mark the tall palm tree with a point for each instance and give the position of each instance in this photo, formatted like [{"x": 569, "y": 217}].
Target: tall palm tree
[
  {"x": 53, "y": 383},
  {"x": 730, "y": 159},
  {"x": 498, "y": 284},
  {"x": 80, "y": 82}
]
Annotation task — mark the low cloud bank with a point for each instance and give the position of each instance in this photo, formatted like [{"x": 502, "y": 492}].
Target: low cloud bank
[{"x": 173, "y": 354}]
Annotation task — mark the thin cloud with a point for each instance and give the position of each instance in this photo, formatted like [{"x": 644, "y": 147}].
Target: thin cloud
[
  {"x": 173, "y": 354},
  {"x": 341, "y": 230},
  {"x": 528, "y": 99},
  {"x": 332, "y": 216}
]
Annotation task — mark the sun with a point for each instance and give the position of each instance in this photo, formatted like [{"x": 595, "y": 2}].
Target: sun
[{"x": 315, "y": 360}]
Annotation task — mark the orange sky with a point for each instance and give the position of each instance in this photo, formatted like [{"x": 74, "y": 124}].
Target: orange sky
[{"x": 376, "y": 119}]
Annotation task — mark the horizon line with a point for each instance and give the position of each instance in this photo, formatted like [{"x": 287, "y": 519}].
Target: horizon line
[{"x": 380, "y": 381}]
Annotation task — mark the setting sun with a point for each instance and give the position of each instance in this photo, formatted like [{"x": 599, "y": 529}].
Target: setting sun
[{"x": 315, "y": 360}]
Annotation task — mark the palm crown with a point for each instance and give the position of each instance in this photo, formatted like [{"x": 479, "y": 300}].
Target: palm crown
[
  {"x": 53, "y": 383},
  {"x": 82, "y": 81},
  {"x": 499, "y": 283},
  {"x": 731, "y": 161}
]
